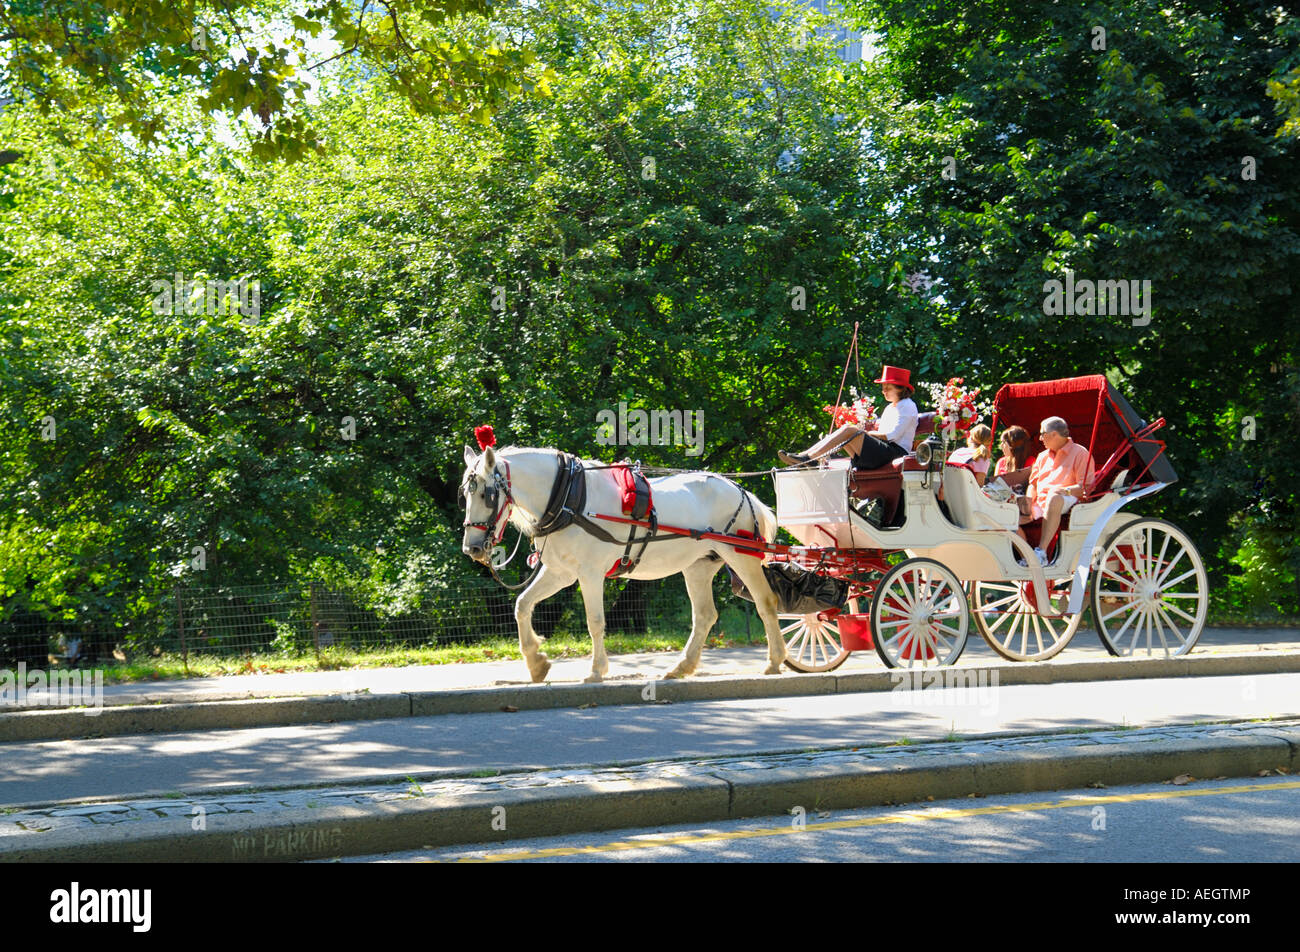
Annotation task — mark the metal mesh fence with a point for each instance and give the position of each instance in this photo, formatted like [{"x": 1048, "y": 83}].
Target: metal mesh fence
[{"x": 304, "y": 617}]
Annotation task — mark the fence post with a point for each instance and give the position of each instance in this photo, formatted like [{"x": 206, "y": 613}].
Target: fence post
[
  {"x": 180, "y": 623},
  {"x": 315, "y": 630}
]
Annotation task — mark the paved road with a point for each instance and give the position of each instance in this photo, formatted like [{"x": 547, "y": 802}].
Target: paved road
[
  {"x": 433, "y": 746},
  {"x": 1236, "y": 820}
]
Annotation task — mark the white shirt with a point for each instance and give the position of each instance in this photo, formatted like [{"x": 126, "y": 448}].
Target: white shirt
[{"x": 898, "y": 423}]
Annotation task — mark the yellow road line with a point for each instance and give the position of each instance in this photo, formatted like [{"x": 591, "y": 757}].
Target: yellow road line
[{"x": 915, "y": 816}]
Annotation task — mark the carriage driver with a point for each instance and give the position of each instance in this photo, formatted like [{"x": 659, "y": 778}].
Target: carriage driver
[
  {"x": 892, "y": 439},
  {"x": 1061, "y": 475}
]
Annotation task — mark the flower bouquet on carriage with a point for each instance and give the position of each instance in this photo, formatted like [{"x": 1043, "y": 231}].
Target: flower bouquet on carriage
[
  {"x": 955, "y": 412},
  {"x": 954, "y": 408},
  {"x": 860, "y": 412}
]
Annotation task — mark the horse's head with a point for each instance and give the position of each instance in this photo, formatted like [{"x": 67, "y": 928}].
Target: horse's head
[{"x": 487, "y": 503}]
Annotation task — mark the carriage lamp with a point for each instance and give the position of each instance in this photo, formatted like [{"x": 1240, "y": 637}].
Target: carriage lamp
[{"x": 930, "y": 450}]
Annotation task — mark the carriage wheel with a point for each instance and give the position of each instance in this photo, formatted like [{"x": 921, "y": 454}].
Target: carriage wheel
[
  {"x": 1151, "y": 588},
  {"x": 918, "y": 616},
  {"x": 1005, "y": 616},
  {"x": 814, "y": 645}
]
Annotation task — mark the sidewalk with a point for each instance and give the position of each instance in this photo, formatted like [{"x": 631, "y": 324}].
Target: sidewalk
[
  {"x": 641, "y": 666},
  {"x": 251, "y": 701}
]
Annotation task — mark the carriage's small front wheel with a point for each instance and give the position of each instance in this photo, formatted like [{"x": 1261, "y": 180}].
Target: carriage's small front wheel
[
  {"x": 814, "y": 644},
  {"x": 918, "y": 616},
  {"x": 1151, "y": 588},
  {"x": 1014, "y": 627}
]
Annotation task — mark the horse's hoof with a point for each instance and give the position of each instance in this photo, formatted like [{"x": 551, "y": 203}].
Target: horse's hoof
[
  {"x": 594, "y": 678},
  {"x": 539, "y": 671},
  {"x": 680, "y": 671},
  {"x": 772, "y": 669}
]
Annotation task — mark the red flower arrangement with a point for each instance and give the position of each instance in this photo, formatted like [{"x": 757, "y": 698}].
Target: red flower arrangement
[{"x": 860, "y": 412}]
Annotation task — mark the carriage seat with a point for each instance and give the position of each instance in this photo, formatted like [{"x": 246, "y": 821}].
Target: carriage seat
[{"x": 886, "y": 482}]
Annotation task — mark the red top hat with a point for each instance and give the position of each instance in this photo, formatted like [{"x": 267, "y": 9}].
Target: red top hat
[{"x": 897, "y": 376}]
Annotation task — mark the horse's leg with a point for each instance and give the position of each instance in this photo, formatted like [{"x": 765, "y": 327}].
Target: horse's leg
[
  {"x": 593, "y": 596},
  {"x": 750, "y": 571},
  {"x": 704, "y": 613},
  {"x": 549, "y": 581}
]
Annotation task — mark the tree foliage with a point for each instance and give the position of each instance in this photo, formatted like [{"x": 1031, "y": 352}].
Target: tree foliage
[
  {"x": 107, "y": 59},
  {"x": 1116, "y": 140}
]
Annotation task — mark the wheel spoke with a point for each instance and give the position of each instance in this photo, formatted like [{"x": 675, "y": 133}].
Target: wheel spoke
[
  {"x": 1137, "y": 631},
  {"x": 1172, "y": 582},
  {"x": 1002, "y": 619},
  {"x": 1160, "y": 559},
  {"x": 1160, "y": 579},
  {"x": 1134, "y": 611},
  {"x": 992, "y": 606},
  {"x": 1178, "y": 633},
  {"x": 1126, "y": 582},
  {"x": 820, "y": 646},
  {"x": 1133, "y": 573},
  {"x": 1122, "y": 608},
  {"x": 1178, "y": 611}
]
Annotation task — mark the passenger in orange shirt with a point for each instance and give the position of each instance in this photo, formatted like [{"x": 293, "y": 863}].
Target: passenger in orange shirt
[{"x": 1061, "y": 475}]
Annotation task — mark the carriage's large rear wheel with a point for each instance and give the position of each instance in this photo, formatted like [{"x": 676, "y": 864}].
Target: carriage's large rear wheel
[
  {"x": 1017, "y": 630},
  {"x": 1151, "y": 593},
  {"x": 813, "y": 644},
  {"x": 918, "y": 615}
]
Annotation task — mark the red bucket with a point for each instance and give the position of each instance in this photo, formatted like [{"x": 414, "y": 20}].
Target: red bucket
[
  {"x": 855, "y": 632},
  {"x": 917, "y": 647}
]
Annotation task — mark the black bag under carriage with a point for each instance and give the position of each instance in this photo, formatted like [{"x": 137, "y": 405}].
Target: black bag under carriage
[{"x": 798, "y": 591}]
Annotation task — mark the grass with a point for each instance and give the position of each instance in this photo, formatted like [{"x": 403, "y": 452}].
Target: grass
[
  {"x": 562, "y": 644},
  {"x": 1228, "y": 619}
]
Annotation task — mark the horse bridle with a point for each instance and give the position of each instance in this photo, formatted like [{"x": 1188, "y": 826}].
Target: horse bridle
[{"x": 492, "y": 493}]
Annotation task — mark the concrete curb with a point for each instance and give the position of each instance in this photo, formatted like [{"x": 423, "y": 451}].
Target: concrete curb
[
  {"x": 605, "y": 805},
  {"x": 123, "y": 719}
]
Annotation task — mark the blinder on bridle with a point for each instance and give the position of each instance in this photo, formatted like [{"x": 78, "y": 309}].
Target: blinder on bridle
[{"x": 491, "y": 497}]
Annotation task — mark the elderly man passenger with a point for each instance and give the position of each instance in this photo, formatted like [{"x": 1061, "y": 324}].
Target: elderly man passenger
[{"x": 1061, "y": 476}]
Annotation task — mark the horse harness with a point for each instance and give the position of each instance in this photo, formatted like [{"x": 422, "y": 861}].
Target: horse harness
[
  {"x": 568, "y": 503},
  {"x": 492, "y": 492}
]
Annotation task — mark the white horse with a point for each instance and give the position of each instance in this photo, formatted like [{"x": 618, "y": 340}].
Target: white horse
[{"x": 516, "y": 483}]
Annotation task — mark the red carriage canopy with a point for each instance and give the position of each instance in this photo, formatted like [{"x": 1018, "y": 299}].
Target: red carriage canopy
[{"x": 1099, "y": 418}]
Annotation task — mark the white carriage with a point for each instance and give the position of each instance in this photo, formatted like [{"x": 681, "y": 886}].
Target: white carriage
[{"x": 925, "y": 570}]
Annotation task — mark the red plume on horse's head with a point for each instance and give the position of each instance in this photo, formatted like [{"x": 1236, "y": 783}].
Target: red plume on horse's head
[{"x": 485, "y": 437}]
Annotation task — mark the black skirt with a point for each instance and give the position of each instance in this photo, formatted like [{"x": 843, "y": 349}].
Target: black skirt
[{"x": 876, "y": 453}]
